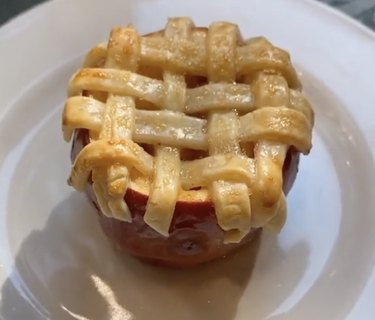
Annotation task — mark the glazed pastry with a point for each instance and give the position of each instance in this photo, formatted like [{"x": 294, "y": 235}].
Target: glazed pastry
[{"x": 186, "y": 140}]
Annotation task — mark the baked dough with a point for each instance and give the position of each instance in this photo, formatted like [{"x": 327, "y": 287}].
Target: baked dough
[{"x": 186, "y": 89}]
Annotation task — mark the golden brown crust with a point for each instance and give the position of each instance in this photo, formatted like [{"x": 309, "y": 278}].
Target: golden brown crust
[{"x": 249, "y": 95}]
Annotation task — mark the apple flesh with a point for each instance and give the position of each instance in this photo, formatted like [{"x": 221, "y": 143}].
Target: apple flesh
[{"x": 195, "y": 236}]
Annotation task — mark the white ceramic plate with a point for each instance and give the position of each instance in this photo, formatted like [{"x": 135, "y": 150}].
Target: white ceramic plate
[{"x": 54, "y": 260}]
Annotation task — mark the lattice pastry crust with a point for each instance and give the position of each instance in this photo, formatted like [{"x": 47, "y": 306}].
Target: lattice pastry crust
[{"x": 186, "y": 90}]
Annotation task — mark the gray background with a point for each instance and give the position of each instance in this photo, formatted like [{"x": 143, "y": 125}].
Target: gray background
[{"x": 363, "y": 10}]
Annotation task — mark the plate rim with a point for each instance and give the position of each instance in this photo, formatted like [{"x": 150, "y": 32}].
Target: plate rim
[{"x": 26, "y": 14}]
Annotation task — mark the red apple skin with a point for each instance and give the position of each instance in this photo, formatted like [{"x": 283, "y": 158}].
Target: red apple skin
[{"x": 195, "y": 236}]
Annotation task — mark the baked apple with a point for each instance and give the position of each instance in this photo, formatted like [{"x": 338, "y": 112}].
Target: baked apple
[{"x": 186, "y": 140}]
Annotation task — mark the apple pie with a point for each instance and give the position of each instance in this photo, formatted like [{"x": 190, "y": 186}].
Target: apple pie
[{"x": 186, "y": 140}]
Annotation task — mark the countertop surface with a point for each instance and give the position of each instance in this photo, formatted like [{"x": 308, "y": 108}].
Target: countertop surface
[{"x": 362, "y": 10}]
